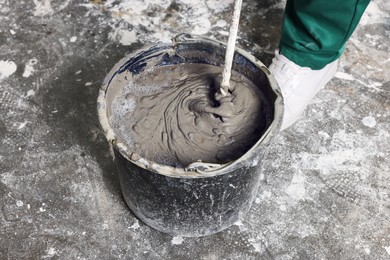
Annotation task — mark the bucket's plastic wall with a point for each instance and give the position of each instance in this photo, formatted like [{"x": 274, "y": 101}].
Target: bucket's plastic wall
[
  {"x": 187, "y": 207},
  {"x": 183, "y": 205}
]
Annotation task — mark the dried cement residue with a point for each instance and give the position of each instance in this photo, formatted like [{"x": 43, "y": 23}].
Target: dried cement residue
[
  {"x": 48, "y": 7},
  {"x": 369, "y": 121},
  {"x": 161, "y": 18},
  {"x": 177, "y": 240},
  {"x": 29, "y": 68},
  {"x": 7, "y": 68}
]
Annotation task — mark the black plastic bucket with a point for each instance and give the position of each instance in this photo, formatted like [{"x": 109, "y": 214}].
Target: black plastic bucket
[{"x": 202, "y": 198}]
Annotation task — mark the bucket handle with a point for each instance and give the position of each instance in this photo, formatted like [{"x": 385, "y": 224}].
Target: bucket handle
[{"x": 186, "y": 38}]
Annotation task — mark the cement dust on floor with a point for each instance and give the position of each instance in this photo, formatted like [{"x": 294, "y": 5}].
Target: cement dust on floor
[{"x": 325, "y": 192}]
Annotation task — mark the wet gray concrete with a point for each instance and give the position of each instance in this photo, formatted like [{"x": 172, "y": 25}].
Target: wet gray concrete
[{"x": 325, "y": 192}]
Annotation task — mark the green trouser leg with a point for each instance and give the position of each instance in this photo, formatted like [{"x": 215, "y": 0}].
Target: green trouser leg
[{"x": 314, "y": 32}]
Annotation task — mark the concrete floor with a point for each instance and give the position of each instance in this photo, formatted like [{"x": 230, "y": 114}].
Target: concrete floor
[{"x": 326, "y": 190}]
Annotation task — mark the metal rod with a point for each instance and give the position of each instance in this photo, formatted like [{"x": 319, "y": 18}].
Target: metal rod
[{"x": 226, "y": 74}]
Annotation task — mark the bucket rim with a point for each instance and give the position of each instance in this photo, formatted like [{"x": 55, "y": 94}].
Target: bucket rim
[{"x": 196, "y": 169}]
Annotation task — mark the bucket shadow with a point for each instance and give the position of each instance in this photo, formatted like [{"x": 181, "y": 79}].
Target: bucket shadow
[{"x": 69, "y": 109}]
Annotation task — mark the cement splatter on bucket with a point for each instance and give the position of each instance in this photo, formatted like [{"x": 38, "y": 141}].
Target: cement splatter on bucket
[{"x": 190, "y": 197}]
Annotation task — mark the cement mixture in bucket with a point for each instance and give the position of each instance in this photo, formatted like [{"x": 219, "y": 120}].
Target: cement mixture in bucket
[{"x": 174, "y": 116}]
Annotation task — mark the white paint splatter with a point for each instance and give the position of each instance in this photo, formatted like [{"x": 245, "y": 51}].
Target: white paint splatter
[
  {"x": 305, "y": 230},
  {"x": 238, "y": 223},
  {"x": 343, "y": 75},
  {"x": 7, "y": 68},
  {"x": 375, "y": 85},
  {"x": 224, "y": 33},
  {"x": 19, "y": 203},
  {"x": 241, "y": 226},
  {"x": 262, "y": 176},
  {"x": 221, "y": 23},
  {"x": 125, "y": 37},
  {"x": 135, "y": 225},
  {"x": 73, "y": 39},
  {"x": 325, "y": 135},
  {"x": 43, "y": 8},
  {"x": 256, "y": 245},
  {"x": 22, "y": 125},
  {"x": 255, "y": 162},
  {"x": 217, "y": 5},
  {"x": 177, "y": 240},
  {"x": 50, "y": 253},
  {"x": 369, "y": 121},
  {"x": 164, "y": 36},
  {"x": 29, "y": 68},
  {"x": 296, "y": 189},
  {"x": 265, "y": 195},
  {"x": 30, "y": 93},
  {"x": 387, "y": 248}
]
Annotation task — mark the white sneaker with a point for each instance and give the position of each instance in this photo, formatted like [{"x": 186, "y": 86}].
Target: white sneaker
[{"x": 298, "y": 85}]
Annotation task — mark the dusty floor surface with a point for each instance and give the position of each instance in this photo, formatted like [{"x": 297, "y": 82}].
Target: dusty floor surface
[{"x": 326, "y": 188}]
